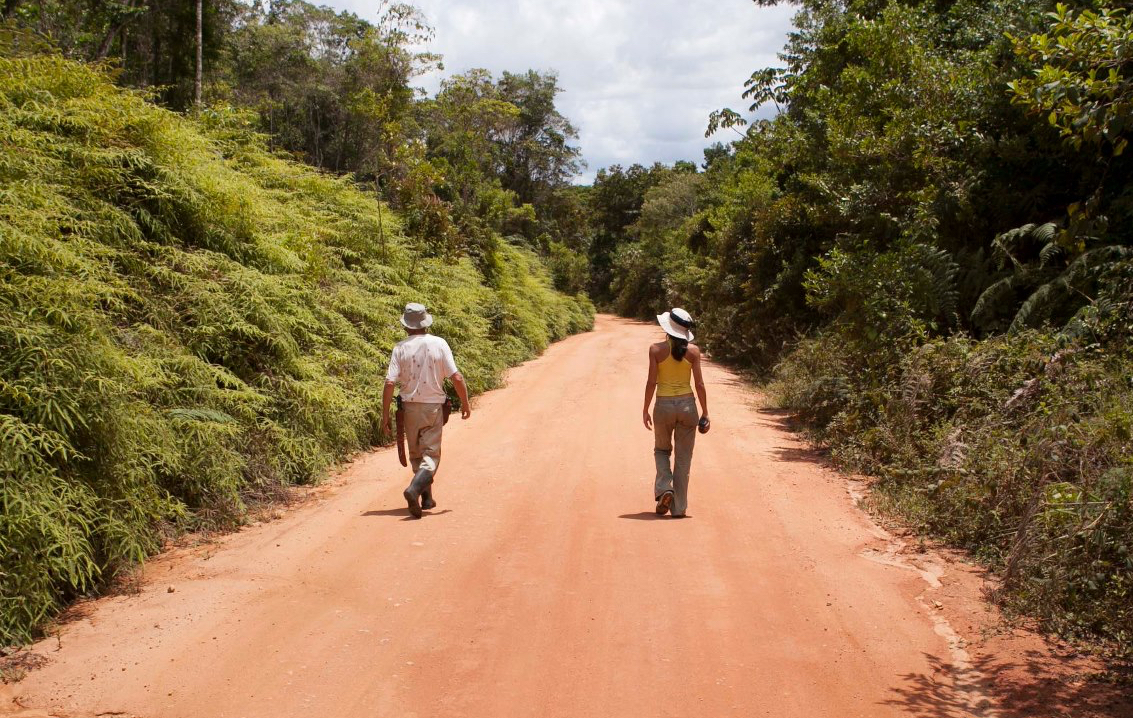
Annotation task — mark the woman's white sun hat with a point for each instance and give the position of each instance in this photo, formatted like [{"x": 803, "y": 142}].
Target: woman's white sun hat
[
  {"x": 416, "y": 316},
  {"x": 677, "y": 323}
]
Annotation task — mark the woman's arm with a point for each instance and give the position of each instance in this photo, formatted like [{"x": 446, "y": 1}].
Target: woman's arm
[
  {"x": 698, "y": 380},
  {"x": 650, "y": 387}
]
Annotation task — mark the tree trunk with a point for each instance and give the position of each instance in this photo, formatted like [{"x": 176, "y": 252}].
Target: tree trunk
[
  {"x": 108, "y": 40},
  {"x": 200, "y": 53}
]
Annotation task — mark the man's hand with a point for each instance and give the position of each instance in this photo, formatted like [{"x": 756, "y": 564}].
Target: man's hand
[
  {"x": 465, "y": 411},
  {"x": 647, "y": 419}
]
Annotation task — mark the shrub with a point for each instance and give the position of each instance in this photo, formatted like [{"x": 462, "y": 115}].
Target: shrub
[{"x": 1019, "y": 448}]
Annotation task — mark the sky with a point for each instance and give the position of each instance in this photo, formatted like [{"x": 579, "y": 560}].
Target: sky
[{"x": 638, "y": 77}]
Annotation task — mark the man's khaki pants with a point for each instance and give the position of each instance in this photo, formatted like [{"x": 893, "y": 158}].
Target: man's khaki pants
[
  {"x": 423, "y": 425},
  {"x": 674, "y": 418}
]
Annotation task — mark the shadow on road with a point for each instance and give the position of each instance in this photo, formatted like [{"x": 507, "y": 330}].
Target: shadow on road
[
  {"x": 1021, "y": 689},
  {"x": 781, "y": 419},
  {"x": 404, "y": 512},
  {"x": 803, "y": 455},
  {"x": 651, "y": 516}
]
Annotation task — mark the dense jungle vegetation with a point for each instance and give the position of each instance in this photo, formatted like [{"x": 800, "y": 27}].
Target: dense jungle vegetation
[
  {"x": 929, "y": 251},
  {"x": 198, "y": 300}
]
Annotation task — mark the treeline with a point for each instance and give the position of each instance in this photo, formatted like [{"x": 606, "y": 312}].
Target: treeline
[
  {"x": 197, "y": 301},
  {"x": 930, "y": 249},
  {"x": 487, "y": 158}
]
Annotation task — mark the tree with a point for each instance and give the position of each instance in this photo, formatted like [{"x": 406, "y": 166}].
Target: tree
[
  {"x": 200, "y": 53},
  {"x": 536, "y": 152},
  {"x": 649, "y": 271},
  {"x": 615, "y": 201},
  {"x": 1082, "y": 78},
  {"x": 331, "y": 86}
]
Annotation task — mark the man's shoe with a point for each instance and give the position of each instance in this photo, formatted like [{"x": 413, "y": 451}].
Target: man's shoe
[
  {"x": 417, "y": 486},
  {"x": 664, "y": 502},
  {"x": 427, "y": 500},
  {"x": 413, "y": 500}
]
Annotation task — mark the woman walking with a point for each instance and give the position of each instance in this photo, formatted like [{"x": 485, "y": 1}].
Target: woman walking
[{"x": 673, "y": 364}]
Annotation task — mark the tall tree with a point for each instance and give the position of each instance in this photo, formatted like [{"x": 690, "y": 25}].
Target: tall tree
[
  {"x": 537, "y": 154},
  {"x": 615, "y": 202},
  {"x": 200, "y": 53}
]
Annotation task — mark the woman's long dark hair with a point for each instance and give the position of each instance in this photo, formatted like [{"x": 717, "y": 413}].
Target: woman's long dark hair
[{"x": 677, "y": 347}]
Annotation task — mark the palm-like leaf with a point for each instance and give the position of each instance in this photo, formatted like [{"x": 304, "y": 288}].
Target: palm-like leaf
[{"x": 1074, "y": 281}]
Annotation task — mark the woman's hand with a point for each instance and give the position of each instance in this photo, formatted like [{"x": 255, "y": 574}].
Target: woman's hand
[{"x": 647, "y": 419}]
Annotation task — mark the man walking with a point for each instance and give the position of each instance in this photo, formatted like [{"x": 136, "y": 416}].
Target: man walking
[{"x": 420, "y": 364}]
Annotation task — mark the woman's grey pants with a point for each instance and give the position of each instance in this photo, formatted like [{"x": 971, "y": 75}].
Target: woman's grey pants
[{"x": 674, "y": 422}]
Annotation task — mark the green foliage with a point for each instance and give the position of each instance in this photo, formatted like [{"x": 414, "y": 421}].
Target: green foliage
[
  {"x": 329, "y": 86},
  {"x": 647, "y": 271},
  {"x": 1047, "y": 283},
  {"x": 896, "y": 294},
  {"x": 188, "y": 321},
  {"x": 615, "y": 203},
  {"x": 496, "y": 161},
  {"x": 1018, "y": 448},
  {"x": 1082, "y": 79},
  {"x": 569, "y": 269}
]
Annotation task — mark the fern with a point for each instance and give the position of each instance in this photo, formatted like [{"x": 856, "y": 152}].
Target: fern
[
  {"x": 938, "y": 270},
  {"x": 1022, "y": 240},
  {"x": 1041, "y": 304},
  {"x": 218, "y": 417},
  {"x": 1071, "y": 288}
]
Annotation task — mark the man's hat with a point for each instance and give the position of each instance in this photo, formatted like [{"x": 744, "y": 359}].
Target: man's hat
[
  {"x": 416, "y": 316},
  {"x": 677, "y": 323}
]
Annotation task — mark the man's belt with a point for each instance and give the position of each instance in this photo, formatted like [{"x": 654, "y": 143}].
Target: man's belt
[{"x": 399, "y": 419}]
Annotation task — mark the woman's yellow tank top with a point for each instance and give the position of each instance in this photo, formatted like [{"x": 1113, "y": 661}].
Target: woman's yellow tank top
[{"x": 674, "y": 378}]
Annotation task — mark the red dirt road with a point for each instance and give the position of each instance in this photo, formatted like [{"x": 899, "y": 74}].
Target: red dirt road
[{"x": 543, "y": 585}]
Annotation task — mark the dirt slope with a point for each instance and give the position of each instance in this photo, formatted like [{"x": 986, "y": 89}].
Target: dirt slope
[{"x": 543, "y": 585}]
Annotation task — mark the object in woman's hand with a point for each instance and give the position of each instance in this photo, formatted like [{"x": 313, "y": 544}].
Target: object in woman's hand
[{"x": 703, "y": 425}]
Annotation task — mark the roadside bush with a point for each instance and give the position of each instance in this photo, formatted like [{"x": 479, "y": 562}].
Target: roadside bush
[
  {"x": 1018, "y": 448},
  {"x": 569, "y": 269},
  {"x": 188, "y": 322}
]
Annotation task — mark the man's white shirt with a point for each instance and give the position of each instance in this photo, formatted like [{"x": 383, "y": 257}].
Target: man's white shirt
[{"x": 421, "y": 363}]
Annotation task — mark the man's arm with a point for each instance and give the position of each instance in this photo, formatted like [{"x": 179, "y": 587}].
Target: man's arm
[
  {"x": 650, "y": 387},
  {"x": 393, "y": 375},
  {"x": 451, "y": 372},
  {"x": 462, "y": 392},
  {"x": 387, "y": 399}
]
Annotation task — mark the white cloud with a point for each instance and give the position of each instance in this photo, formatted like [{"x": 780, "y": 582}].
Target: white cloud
[{"x": 639, "y": 77}]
